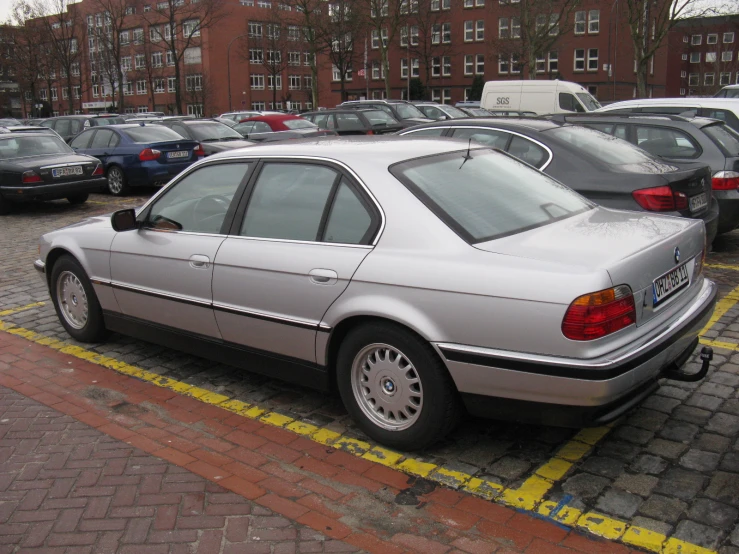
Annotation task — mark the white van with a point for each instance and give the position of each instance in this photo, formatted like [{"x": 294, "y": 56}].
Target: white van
[{"x": 541, "y": 97}]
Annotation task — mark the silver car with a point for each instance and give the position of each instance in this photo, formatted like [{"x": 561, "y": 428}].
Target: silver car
[{"x": 419, "y": 277}]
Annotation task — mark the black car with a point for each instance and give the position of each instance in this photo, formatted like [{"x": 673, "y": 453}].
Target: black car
[
  {"x": 369, "y": 121},
  {"x": 404, "y": 112},
  {"x": 69, "y": 126},
  {"x": 213, "y": 136},
  {"x": 677, "y": 138},
  {"x": 41, "y": 166},
  {"x": 604, "y": 168}
]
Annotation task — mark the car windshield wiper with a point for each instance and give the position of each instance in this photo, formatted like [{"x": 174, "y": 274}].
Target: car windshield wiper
[
  {"x": 210, "y": 140},
  {"x": 232, "y": 138}
]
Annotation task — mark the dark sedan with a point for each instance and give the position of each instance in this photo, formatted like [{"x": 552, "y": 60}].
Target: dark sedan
[
  {"x": 355, "y": 122},
  {"x": 271, "y": 127},
  {"x": 606, "y": 169},
  {"x": 41, "y": 166},
  {"x": 213, "y": 136},
  {"x": 138, "y": 154}
]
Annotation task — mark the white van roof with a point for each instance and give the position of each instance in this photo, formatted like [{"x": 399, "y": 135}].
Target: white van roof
[
  {"x": 726, "y": 103},
  {"x": 536, "y": 82}
]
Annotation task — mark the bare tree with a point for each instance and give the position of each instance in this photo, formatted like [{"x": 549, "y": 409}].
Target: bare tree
[
  {"x": 530, "y": 29},
  {"x": 111, "y": 39},
  {"x": 345, "y": 22},
  {"x": 200, "y": 90},
  {"x": 152, "y": 70},
  {"x": 310, "y": 16},
  {"x": 27, "y": 52},
  {"x": 180, "y": 25},
  {"x": 386, "y": 18},
  {"x": 424, "y": 38}
]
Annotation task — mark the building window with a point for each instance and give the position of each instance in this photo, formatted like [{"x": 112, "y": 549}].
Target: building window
[
  {"x": 480, "y": 65},
  {"x": 156, "y": 59},
  {"x": 415, "y": 67},
  {"x": 469, "y": 65},
  {"x": 404, "y": 67},
  {"x": 594, "y": 21},
  {"x": 712, "y": 39},
  {"x": 65, "y": 93},
  {"x": 171, "y": 84},
  {"x": 192, "y": 82},
  {"x": 553, "y": 62},
  {"x": 682, "y": 92},
  {"x": 683, "y": 74},
  {"x": 580, "y": 59},
  {"x": 724, "y": 78},
  {"x": 293, "y": 58},
  {"x": 193, "y": 55},
  {"x": 95, "y": 91},
  {"x": 446, "y": 33},
  {"x": 274, "y": 57},
  {"x": 124, "y": 38},
  {"x": 256, "y": 56},
  {"x": 138, "y": 36},
  {"x": 541, "y": 64},
  {"x": 76, "y": 91},
  {"x": 503, "y": 29},
  {"x": 43, "y": 94},
  {"x": 515, "y": 27},
  {"x": 435, "y": 95},
  {"x": 378, "y": 71},
  {"x": 140, "y": 61},
  {"x": 710, "y": 57},
  {"x": 54, "y": 94},
  {"x": 469, "y": 31},
  {"x": 695, "y": 57},
  {"x": 195, "y": 109},
  {"x": 469, "y": 3},
  {"x": 141, "y": 87},
  {"x": 728, "y": 38},
  {"x": 257, "y": 82},
  {"x": 259, "y": 106},
  {"x": 128, "y": 88},
  {"x": 274, "y": 82},
  {"x": 126, "y": 63},
  {"x": 480, "y": 30},
  {"x": 696, "y": 40},
  {"x": 446, "y": 96},
  {"x": 158, "y": 86},
  {"x": 335, "y": 73},
  {"x": 503, "y": 65},
  {"x": 446, "y": 66},
  {"x": 436, "y": 34},
  {"x": 727, "y": 56},
  {"x": 684, "y": 57},
  {"x": 155, "y": 34},
  {"x": 694, "y": 79},
  {"x": 708, "y": 79},
  {"x": 375, "y": 41},
  {"x": 592, "y": 59},
  {"x": 435, "y": 67},
  {"x": 170, "y": 58},
  {"x": 130, "y": 10},
  {"x": 255, "y": 30},
  {"x": 580, "y": 23},
  {"x": 293, "y": 82},
  {"x": 686, "y": 39},
  {"x": 191, "y": 28}
]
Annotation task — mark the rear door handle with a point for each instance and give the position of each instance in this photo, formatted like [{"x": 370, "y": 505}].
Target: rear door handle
[
  {"x": 198, "y": 261},
  {"x": 323, "y": 276}
]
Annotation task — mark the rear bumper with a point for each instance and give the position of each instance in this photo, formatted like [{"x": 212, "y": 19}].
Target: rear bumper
[
  {"x": 52, "y": 191},
  {"x": 489, "y": 379},
  {"x": 155, "y": 173}
]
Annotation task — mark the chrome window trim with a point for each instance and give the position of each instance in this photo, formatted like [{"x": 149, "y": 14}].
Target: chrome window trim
[
  {"x": 267, "y": 317},
  {"x": 255, "y": 159},
  {"x": 292, "y": 241},
  {"x": 424, "y": 129}
]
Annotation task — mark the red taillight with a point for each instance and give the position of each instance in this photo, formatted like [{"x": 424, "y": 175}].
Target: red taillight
[
  {"x": 725, "y": 180},
  {"x": 601, "y": 313},
  {"x": 98, "y": 170},
  {"x": 31, "y": 177},
  {"x": 370, "y": 132},
  {"x": 198, "y": 150},
  {"x": 148, "y": 155},
  {"x": 661, "y": 199}
]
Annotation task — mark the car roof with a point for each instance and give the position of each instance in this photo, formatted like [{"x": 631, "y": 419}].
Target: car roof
[
  {"x": 522, "y": 122},
  {"x": 644, "y": 118},
  {"x": 716, "y": 102},
  {"x": 273, "y": 117},
  {"x": 26, "y": 129}
]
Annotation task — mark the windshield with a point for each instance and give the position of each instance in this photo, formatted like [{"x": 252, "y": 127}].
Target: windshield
[
  {"x": 153, "y": 133},
  {"x": 406, "y": 111},
  {"x": 724, "y": 137},
  {"x": 487, "y": 195},
  {"x": 378, "y": 117},
  {"x": 454, "y": 112},
  {"x": 32, "y": 145},
  {"x": 212, "y": 131},
  {"x": 601, "y": 146},
  {"x": 590, "y": 103},
  {"x": 732, "y": 93},
  {"x": 299, "y": 124}
]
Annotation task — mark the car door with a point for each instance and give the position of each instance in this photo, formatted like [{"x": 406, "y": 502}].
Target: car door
[
  {"x": 100, "y": 144},
  {"x": 162, "y": 272},
  {"x": 300, "y": 234}
]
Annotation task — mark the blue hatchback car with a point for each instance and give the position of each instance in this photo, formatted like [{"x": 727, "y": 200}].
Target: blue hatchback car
[{"x": 137, "y": 154}]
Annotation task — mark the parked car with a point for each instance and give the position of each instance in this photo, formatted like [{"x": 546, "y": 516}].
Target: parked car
[
  {"x": 9, "y": 122},
  {"x": 606, "y": 169},
  {"x": 439, "y": 112},
  {"x": 138, "y": 154},
  {"x": 726, "y": 109},
  {"x": 444, "y": 276},
  {"x": 404, "y": 112},
  {"x": 538, "y": 96},
  {"x": 41, "y": 166},
  {"x": 730, "y": 91},
  {"x": 238, "y": 116},
  {"x": 672, "y": 137},
  {"x": 213, "y": 136},
  {"x": 511, "y": 113},
  {"x": 68, "y": 126},
  {"x": 355, "y": 122},
  {"x": 475, "y": 112},
  {"x": 278, "y": 127},
  {"x": 139, "y": 115},
  {"x": 229, "y": 122}
]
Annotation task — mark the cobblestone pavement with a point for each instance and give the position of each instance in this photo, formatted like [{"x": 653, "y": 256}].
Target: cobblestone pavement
[
  {"x": 671, "y": 466},
  {"x": 66, "y": 487}
]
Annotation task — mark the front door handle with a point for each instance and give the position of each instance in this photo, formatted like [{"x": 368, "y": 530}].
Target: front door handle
[
  {"x": 198, "y": 261},
  {"x": 323, "y": 276}
]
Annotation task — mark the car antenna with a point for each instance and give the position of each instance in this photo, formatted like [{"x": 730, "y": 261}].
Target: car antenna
[{"x": 467, "y": 155}]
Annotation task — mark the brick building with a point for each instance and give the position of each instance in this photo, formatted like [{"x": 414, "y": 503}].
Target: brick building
[
  {"x": 236, "y": 63},
  {"x": 703, "y": 55}
]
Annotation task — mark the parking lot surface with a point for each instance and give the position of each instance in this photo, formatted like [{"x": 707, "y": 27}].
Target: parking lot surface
[{"x": 669, "y": 469}]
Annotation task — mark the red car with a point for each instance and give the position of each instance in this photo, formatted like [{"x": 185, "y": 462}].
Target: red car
[{"x": 278, "y": 127}]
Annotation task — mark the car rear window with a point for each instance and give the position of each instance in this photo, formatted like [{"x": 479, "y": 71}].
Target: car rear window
[
  {"x": 32, "y": 145},
  {"x": 724, "y": 137},
  {"x": 407, "y": 111},
  {"x": 484, "y": 195},
  {"x": 376, "y": 117},
  {"x": 299, "y": 124},
  {"x": 151, "y": 134},
  {"x": 602, "y": 147},
  {"x": 107, "y": 121},
  {"x": 214, "y": 130},
  {"x": 454, "y": 112}
]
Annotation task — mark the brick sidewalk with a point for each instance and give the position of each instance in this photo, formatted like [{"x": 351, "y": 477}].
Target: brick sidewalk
[{"x": 156, "y": 469}]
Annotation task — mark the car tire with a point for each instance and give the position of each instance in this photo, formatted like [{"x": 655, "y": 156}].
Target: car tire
[
  {"x": 78, "y": 198},
  {"x": 5, "y": 206},
  {"x": 117, "y": 185},
  {"x": 75, "y": 301},
  {"x": 396, "y": 387}
]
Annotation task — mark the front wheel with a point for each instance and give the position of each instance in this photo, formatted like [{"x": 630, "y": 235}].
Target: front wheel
[
  {"x": 78, "y": 198},
  {"x": 117, "y": 181},
  {"x": 75, "y": 301},
  {"x": 395, "y": 387}
]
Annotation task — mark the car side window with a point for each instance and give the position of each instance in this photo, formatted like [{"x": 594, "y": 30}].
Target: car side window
[
  {"x": 114, "y": 140},
  {"x": 75, "y": 126},
  {"x": 288, "y": 201},
  {"x": 198, "y": 203},
  {"x": 350, "y": 221},
  {"x": 349, "y": 122},
  {"x": 667, "y": 143},
  {"x": 608, "y": 128},
  {"x": 487, "y": 137},
  {"x": 432, "y": 132},
  {"x": 246, "y": 127},
  {"x": 432, "y": 113},
  {"x": 101, "y": 139},
  {"x": 528, "y": 151},
  {"x": 63, "y": 127},
  {"x": 48, "y": 123},
  {"x": 82, "y": 140},
  {"x": 181, "y": 130},
  {"x": 676, "y": 110},
  {"x": 568, "y": 102},
  {"x": 261, "y": 127}
]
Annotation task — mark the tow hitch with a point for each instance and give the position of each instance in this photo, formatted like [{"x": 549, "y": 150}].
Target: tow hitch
[{"x": 678, "y": 374}]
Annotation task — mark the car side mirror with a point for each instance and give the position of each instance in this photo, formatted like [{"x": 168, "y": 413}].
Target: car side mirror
[{"x": 124, "y": 220}]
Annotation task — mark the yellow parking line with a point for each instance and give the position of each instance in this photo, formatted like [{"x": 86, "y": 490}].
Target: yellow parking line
[
  {"x": 723, "y": 266},
  {"x": 12, "y": 311},
  {"x": 722, "y": 306}
]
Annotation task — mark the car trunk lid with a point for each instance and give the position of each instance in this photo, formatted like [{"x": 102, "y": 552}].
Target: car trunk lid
[
  {"x": 175, "y": 151},
  {"x": 58, "y": 168},
  {"x": 691, "y": 183}
]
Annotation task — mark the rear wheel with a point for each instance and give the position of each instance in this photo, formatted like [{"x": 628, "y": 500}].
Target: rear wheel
[
  {"x": 117, "y": 181},
  {"x": 78, "y": 198},
  {"x": 396, "y": 387}
]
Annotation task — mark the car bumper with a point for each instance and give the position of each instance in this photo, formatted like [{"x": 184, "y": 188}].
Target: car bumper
[
  {"x": 155, "y": 173},
  {"x": 536, "y": 388},
  {"x": 39, "y": 266},
  {"x": 52, "y": 191}
]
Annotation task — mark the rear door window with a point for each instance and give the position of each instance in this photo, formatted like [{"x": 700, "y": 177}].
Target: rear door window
[
  {"x": 350, "y": 219},
  {"x": 101, "y": 139},
  {"x": 666, "y": 143},
  {"x": 82, "y": 140},
  {"x": 349, "y": 122},
  {"x": 64, "y": 128},
  {"x": 487, "y": 137},
  {"x": 528, "y": 151},
  {"x": 76, "y": 126}
]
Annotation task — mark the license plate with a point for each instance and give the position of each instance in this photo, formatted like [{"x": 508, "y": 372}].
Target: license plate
[
  {"x": 698, "y": 202},
  {"x": 66, "y": 171},
  {"x": 178, "y": 154},
  {"x": 670, "y": 283}
]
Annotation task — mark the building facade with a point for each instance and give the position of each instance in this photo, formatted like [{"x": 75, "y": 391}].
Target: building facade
[{"x": 703, "y": 56}]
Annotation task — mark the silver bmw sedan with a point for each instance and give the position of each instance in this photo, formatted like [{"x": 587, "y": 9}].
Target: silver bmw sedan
[{"x": 419, "y": 277}]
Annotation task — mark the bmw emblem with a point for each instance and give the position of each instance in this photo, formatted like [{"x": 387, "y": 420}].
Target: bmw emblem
[{"x": 677, "y": 255}]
